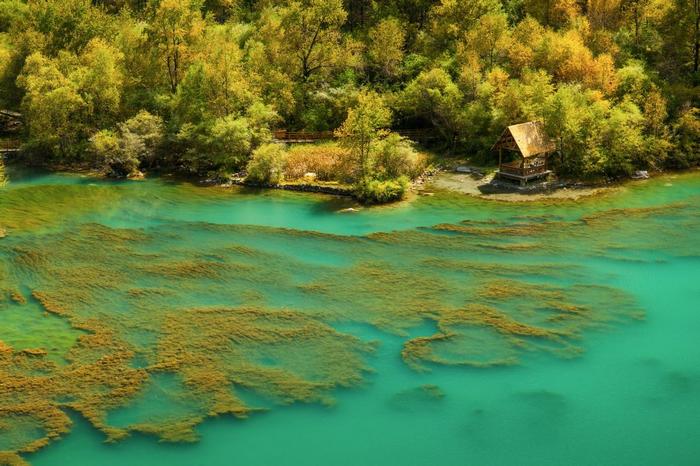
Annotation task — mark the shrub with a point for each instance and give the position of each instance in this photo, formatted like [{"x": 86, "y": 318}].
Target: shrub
[
  {"x": 686, "y": 136},
  {"x": 328, "y": 161},
  {"x": 137, "y": 141},
  {"x": 108, "y": 150},
  {"x": 148, "y": 130},
  {"x": 372, "y": 191},
  {"x": 395, "y": 156},
  {"x": 266, "y": 166}
]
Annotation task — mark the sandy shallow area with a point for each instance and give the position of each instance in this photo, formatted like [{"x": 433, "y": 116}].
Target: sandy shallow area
[{"x": 473, "y": 186}]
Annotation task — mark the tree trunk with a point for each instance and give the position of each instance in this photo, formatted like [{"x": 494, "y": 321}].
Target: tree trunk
[{"x": 696, "y": 51}]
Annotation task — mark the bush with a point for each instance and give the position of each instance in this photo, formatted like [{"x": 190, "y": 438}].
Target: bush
[
  {"x": 395, "y": 156},
  {"x": 686, "y": 136},
  {"x": 266, "y": 166},
  {"x": 108, "y": 151},
  {"x": 328, "y": 161},
  {"x": 146, "y": 131},
  {"x": 137, "y": 141},
  {"x": 373, "y": 191},
  {"x": 220, "y": 145}
]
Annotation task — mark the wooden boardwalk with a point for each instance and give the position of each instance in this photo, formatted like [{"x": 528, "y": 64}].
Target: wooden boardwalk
[{"x": 8, "y": 146}]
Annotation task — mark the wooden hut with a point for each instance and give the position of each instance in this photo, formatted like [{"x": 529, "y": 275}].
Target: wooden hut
[{"x": 531, "y": 148}]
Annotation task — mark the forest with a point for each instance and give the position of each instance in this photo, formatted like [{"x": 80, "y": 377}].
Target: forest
[{"x": 199, "y": 86}]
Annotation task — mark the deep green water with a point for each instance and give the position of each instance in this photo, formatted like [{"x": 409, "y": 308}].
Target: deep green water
[{"x": 620, "y": 385}]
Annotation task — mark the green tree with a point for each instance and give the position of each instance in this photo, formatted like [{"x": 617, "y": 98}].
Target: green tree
[
  {"x": 365, "y": 124},
  {"x": 101, "y": 81},
  {"x": 175, "y": 27},
  {"x": 451, "y": 19},
  {"x": 436, "y": 98},
  {"x": 489, "y": 39},
  {"x": 311, "y": 35},
  {"x": 686, "y": 137},
  {"x": 53, "y": 107},
  {"x": 385, "y": 46}
]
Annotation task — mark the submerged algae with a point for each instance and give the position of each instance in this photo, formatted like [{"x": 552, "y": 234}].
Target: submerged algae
[{"x": 219, "y": 310}]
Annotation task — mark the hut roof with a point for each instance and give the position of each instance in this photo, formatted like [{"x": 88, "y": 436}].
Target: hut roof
[{"x": 528, "y": 138}]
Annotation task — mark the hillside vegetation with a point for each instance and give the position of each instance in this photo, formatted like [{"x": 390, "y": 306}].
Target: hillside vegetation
[{"x": 199, "y": 86}]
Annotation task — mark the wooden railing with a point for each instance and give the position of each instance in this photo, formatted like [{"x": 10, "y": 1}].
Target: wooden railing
[
  {"x": 302, "y": 136},
  {"x": 514, "y": 168},
  {"x": 420, "y": 134},
  {"x": 9, "y": 145}
]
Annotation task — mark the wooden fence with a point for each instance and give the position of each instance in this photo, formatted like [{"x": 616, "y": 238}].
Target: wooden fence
[{"x": 9, "y": 145}]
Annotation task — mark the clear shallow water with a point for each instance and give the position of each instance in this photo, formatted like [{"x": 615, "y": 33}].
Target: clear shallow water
[{"x": 610, "y": 389}]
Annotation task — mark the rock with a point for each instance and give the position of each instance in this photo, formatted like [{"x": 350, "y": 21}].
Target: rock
[
  {"x": 136, "y": 175},
  {"x": 348, "y": 210},
  {"x": 470, "y": 171},
  {"x": 641, "y": 175}
]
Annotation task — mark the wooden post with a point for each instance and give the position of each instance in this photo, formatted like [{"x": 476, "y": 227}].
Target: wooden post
[{"x": 500, "y": 158}]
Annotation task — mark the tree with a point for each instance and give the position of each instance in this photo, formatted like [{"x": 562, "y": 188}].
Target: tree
[
  {"x": 176, "y": 26},
  {"x": 552, "y": 12},
  {"x": 572, "y": 117},
  {"x": 622, "y": 140},
  {"x": 53, "y": 107},
  {"x": 435, "y": 97},
  {"x": 228, "y": 88},
  {"x": 655, "y": 112},
  {"x": 365, "y": 124},
  {"x": 682, "y": 34},
  {"x": 385, "y": 46},
  {"x": 101, "y": 81},
  {"x": 311, "y": 34},
  {"x": 489, "y": 38},
  {"x": 450, "y": 19},
  {"x": 604, "y": 14},
  {"x": 686, "y": 137}
]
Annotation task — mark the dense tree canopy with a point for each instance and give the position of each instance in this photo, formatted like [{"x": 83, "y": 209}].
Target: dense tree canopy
[{"x": 199, "y": 85}]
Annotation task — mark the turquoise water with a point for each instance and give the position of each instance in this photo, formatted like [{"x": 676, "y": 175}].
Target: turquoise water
[{"x": 619, "y": 386}]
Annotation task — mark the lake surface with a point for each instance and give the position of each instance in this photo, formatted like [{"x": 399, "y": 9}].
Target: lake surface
[{"x": 161, "y": 323}]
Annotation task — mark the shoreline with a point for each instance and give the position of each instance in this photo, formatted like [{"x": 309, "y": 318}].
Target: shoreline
[
  {"x": 483, "y": 188},
  {"x": 428, "y": 184}
]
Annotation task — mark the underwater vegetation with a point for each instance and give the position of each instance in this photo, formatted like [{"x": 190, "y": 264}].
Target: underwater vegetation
[{"x": 154, "y": 329}]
